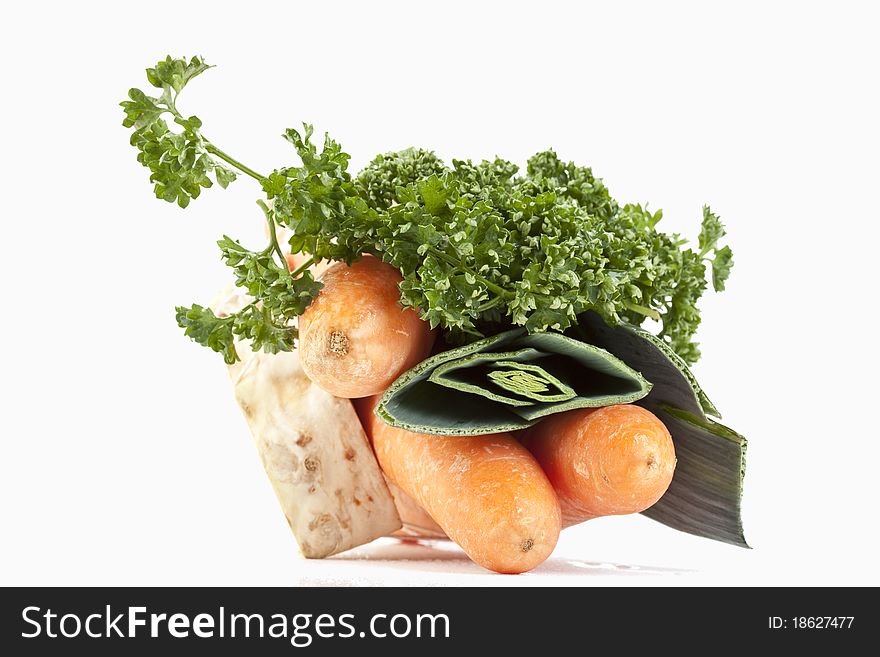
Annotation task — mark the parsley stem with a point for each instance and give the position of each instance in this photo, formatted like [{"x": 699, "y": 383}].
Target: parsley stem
[
  {"x": 491, "y": 303},
  {"x": 641, "y": 310},
  {"x": 238, "y": 165},
  {"x": 273, "y": 236},
  {"x": 299, "y": 270},
  {"x": 492, "y": 287},
  {"x": 172, "y": 107}
]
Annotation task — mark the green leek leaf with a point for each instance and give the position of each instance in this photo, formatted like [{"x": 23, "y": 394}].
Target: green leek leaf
[
  {"x": 507, "y": 382},
  {"x": 704, "y": 497}
]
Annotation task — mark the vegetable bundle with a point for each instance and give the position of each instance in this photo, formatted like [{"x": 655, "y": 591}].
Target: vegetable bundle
[{"x": 473, "y": 300}]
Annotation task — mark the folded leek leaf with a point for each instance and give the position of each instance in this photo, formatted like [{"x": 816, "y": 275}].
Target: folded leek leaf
[
  {"x": 674, "y": 384},
  {"x": 704, "y": 497},
  {"x": 706, "y": 491},
  {"x": 507, "y": 382}
]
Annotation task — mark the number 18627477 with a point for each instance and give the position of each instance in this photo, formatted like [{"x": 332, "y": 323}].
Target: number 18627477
[{"x": 810, "y": 622}]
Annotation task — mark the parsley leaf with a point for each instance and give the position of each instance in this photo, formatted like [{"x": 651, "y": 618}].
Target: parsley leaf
[
  {"x": 711, "y": 232},
  {"x": 379, "y": 182},
  {"x": 721, "y": 266},
  {"x": 267, "y": 321},
  {"x": 202, "y": 326},
  {"x": 180, "y": 161}
]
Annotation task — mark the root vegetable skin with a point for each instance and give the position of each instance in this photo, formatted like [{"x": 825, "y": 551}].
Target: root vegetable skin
[
  {"x": 314, "y": 451},
  {"x": 607, "y": 461},
  {"x": 355, "y": 338},
  {"x": 487, "y": 493}
]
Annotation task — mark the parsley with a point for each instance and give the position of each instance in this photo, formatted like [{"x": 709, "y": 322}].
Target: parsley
[
  {"x": 182, "y": 162},
  {"x": 481, "y": 247}
]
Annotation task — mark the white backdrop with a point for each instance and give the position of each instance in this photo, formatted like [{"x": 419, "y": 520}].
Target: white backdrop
[{"x": 124, "y": 458}]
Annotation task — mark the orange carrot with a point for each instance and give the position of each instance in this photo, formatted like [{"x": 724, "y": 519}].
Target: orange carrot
[
  {"x": 416, "y": 521},
  {"x": 487, "y": 493},
  {"x": 605, "y": 461},
  {"x": 364, "y": 409},
  {"x": 355, "y": 338}
]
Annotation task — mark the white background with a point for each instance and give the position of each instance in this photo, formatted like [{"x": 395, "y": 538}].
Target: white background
[{"x": 124, "y": 458}]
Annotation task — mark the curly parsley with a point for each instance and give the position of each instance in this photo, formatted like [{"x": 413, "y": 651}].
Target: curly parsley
[{"x": 481, "y": 248}]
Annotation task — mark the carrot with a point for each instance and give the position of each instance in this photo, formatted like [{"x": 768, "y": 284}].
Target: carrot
[
  {"x": 487, "y": 493},
  {"x": 416, "y": 521},
  {"x": 364, "y": 409},
  {"x": 605, "y": 461},
  {"x": 355, "y": 338}
]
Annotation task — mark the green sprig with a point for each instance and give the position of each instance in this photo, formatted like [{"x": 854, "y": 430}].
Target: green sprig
[
  {"x": 481, "y": 247},
  {"x": 181, "y": 161}
]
